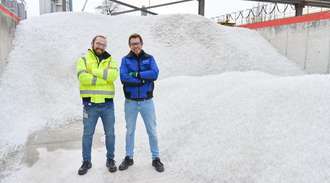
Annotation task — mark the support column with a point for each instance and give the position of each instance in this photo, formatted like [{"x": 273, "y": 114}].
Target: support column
[
  {"x": 299, "y": 9},
  {"x": 201, "y": 7}
]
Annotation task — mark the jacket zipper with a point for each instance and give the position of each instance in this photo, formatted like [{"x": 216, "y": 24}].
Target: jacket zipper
[
  {"x": 139, "y": 69},
  {"x": 97, "y": 60}
]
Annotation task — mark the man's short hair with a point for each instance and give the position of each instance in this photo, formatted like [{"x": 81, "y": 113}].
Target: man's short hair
[
  {"x": 97, "y": 36},
  {"x": 135, "y": 35}
]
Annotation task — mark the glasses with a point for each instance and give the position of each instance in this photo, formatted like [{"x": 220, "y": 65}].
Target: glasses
[
  {"x": 135, "y": 43},
  {"x": 101, "y": 44}
]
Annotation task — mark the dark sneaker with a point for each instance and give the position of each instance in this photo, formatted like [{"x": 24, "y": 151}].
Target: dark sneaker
[
  {"x": 111, "y": 164},
  {"x": 84, "y": 167},
  {"x": 126, "y": 163},
  {"x": 159, "y": 166}
]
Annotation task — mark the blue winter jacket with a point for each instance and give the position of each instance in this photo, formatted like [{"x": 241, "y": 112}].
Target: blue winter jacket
[{"x": 140, "y": 87}]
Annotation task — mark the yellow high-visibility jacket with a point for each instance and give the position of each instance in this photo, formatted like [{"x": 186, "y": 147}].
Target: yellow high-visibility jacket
[{"x": 96, "y": 77}]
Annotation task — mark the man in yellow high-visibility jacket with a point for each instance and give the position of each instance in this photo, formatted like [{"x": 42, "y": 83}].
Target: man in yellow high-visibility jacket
[{"x": 97, "y": 72}]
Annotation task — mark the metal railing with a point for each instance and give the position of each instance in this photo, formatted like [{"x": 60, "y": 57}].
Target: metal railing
[
  {"x": 263, "y": 12},
  {"x": 15, "y": 6}
]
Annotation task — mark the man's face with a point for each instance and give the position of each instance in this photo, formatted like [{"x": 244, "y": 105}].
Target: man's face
[
  {"x": 99, "y": 45},
  {"x": 135, "y": 45}
]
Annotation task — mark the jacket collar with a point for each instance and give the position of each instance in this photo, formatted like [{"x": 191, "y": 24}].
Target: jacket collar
[
  {"x": 143, "y": 54},
  {"x": 105, "y": 54}
]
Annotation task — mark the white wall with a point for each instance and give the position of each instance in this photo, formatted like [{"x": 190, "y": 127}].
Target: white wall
[{"x": 307, "y": 44}]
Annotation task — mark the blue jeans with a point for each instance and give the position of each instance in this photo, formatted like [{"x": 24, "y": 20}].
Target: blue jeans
[
  {"x": 91, "y": 115},
  {"x": 147, "y": 111}
]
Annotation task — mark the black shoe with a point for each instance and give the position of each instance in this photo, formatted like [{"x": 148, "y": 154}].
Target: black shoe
[
  {"x": 126, "y": 163},
  {"x": 84, "y": 167},
  {"x": 111, "y": 164},
  {"x": 159, "y": 166}
]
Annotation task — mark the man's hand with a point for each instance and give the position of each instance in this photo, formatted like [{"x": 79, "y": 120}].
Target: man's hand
[
  {"x": 134, "y": 74},
  {"x": 94, "y": 71},
  {"x": 97, "y": 72}
]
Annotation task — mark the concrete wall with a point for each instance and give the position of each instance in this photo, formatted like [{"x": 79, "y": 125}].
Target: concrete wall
[
  {"x": 45, "y": 6},
  {"x": 50, "y": 6},
  {"x": 307, "y": 44},
  {"x": 7, "y": 30}
]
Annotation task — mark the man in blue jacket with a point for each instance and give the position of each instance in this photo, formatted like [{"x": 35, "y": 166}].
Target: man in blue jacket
[{"x": 138, "y": 71}]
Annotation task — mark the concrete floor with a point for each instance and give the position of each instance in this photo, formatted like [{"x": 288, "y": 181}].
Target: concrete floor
[{"x": 67, "y": 137}]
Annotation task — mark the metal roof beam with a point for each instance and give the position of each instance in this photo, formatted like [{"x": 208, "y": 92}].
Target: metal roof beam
[{"x": 150, "y": 7}]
